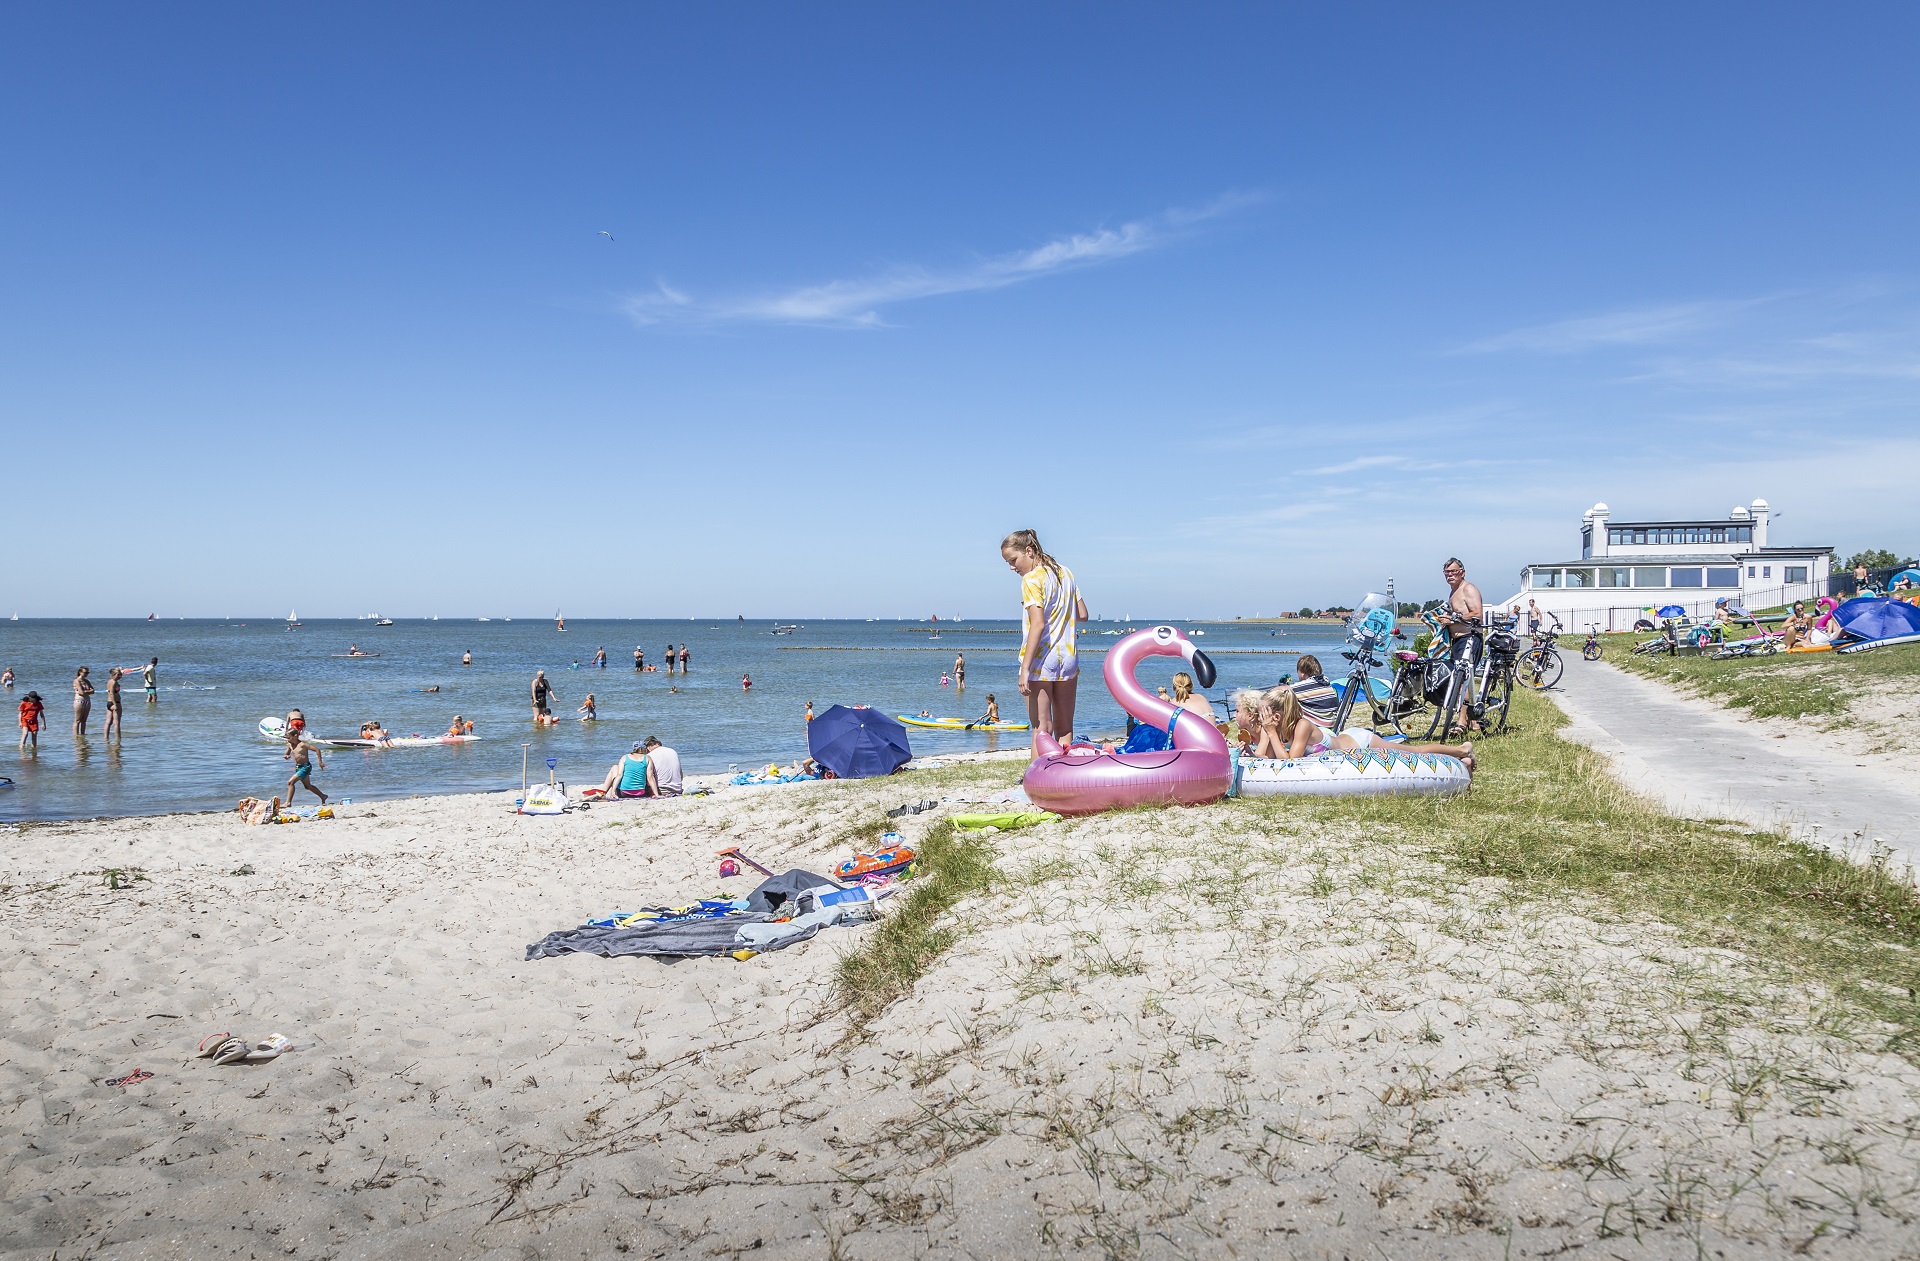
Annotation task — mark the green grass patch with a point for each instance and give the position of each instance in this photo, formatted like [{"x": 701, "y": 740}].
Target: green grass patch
[
  {"x": 951, "y": 865},
  {"x": 1820, "y": 685},
  {"x": 1546, "y": 815}
]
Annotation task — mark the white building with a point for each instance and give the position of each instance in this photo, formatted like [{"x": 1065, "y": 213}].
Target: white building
[{"x": 1628, "y": 566}]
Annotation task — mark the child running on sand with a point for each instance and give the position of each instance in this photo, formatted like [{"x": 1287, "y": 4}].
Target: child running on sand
[{"x": 302, "y": 752}]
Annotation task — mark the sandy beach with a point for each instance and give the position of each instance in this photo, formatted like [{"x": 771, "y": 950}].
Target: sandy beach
[{"x": 1189, "y": 1033}]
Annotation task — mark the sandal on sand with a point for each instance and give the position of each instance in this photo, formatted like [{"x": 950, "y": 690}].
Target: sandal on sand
[
  {"x": 210, "y": 1045},
  {"x": 230, "y": 1050},
  {"x": 272, "y": 1045}
]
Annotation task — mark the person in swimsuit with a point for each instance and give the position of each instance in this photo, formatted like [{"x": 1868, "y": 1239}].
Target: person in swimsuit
[
  {"x": 1052, "y": 607},
  {"x": 150, "y": 680},
  {"x": 960, "y": 671},
  {"x": 600, "y": 658},
  {"x": 586, "y": 710},
  {"x": 685, "y": 658},
  {"x": 1186, "y": 698},
  {"x": 628, "y": 776},
  {"x": 1286, "y": 733},
  {"x": 746, "y": 682},
  {"x": 302, "y": 752},
  {"x": 31, "y": 710},
  {"x": 83, "y": 690},
  {"x": 114, "y": 710},
  {"x": 671, "y": 658},
  {"x": 542, "y": 694},
  {"x": 6, "y": 679},
  {"x": 466, "y": 658},
  {"x": 809, "y": 711},
  {"x": 992, "y": 716},
  {"x": 1462, "y": 619},
  {"x": 377, "y": 733},
  {"x": 639, "y": 658}
]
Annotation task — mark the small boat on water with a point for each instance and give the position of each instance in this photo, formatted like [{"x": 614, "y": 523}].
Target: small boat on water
[{"x": 293, "y": 619}]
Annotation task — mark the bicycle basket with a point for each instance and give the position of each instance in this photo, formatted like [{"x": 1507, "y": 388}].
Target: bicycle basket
[{"x": 1503, "y": 644}]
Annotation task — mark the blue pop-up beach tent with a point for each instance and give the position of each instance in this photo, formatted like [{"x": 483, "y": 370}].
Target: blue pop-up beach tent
[
  {"x": 858, "y": 743},
  {"x": 1877, "y": 617}
]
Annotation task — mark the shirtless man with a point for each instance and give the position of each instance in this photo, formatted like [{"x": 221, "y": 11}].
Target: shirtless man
[
  {"x": 149, "y": 680},
  {"x": 1463, "y": 620}
]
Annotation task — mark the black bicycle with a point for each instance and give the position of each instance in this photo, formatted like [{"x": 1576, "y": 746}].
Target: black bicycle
[
  {"x": 1539, "y": 667},
  {"x": 1591, "y": 649},
  {"x": 1359, "y": 683},
  {"x": 1429, "y": 693}
]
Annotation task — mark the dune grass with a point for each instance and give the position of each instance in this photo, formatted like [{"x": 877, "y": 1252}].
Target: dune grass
[
  {"x": 1821, "y": 686},
  {"x": 1548, "y": 821},
  {"x": 951, "y": 866}
]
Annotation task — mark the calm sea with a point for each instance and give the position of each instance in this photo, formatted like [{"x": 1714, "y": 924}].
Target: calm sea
[{"x": 199, "y": 747}]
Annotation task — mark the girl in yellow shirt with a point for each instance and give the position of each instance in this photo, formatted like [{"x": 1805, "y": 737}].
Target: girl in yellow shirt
[{"x": 1052, "y": 609}]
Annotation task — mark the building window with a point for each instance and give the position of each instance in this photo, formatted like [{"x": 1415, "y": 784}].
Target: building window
[
  {"x": 1723, "y": 577},
  {"x": 1744, "y": 534},
  {"x": 1546, "y": 578},
  {"x": 1750, "y": 572},
  {"x": 1794, "y": 573},
  {"x": 1686, "y": 577},
  {"x": 1586, "y": 543},
  {"x": 1579, "y": 578},
  {"x": 1766, "y": 571},
  {"x": 1650, "y": 576},
  {"x": 1616, "y": 577}
]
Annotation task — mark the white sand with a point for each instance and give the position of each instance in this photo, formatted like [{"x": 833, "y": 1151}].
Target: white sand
[{"x": 1171, "y": 1038}]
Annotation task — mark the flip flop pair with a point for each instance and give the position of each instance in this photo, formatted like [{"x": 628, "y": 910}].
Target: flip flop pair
[{"x": 224, "y": 1048}]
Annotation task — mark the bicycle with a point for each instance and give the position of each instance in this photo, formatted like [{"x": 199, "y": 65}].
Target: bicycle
[
  {"x": 1483, "y": 688},
  {"x": 1359, "y": 683},
  {"x": 1591, "y": 649},
  {"x": 1539, "y": 667}
]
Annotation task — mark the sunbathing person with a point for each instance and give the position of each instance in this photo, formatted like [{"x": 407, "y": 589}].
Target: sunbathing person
[
  {"x": 628, "y": 776},
  {"x": 1288, "y": 734}
]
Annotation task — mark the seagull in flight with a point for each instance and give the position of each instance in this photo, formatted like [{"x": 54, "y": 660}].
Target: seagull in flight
[{"x": 607, "y": 234}]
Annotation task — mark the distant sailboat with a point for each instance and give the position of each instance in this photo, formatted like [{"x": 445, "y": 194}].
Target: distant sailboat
[
  {"x": 293, "y": 619},
  {"x": 150, "y": 617},
  {"x": 559, "y": 623}
]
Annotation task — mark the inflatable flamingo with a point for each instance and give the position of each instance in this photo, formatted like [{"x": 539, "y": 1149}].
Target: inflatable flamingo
[
  {"x": 1083, "y": 780},
  {"x": 1826, "y": 604}
]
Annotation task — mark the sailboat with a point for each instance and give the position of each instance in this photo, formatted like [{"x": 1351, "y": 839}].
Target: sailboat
[
  {"x": 559, "y": 623},
  {"x": 293, "y": 619}
]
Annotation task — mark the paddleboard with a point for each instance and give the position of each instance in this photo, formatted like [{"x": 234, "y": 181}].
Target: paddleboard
[
  {"x": 1878, "y": 643},
  {"x": 961, "y": 724}
]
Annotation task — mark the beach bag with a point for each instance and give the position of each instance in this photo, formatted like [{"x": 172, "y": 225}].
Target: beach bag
[
  {"x": 1438, "y": 673},
  {"x": 545, "y": 799}
]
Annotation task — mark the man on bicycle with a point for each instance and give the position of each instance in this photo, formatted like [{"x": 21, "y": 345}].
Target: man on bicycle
[{"x": 1463, "y": 620}]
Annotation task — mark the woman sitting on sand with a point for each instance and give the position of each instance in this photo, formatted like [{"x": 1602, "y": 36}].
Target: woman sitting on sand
[
  {"x": 1286, "y": 733},
  {"x": 628, "y": 776}
]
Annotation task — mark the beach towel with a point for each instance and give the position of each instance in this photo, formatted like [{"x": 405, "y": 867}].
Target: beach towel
[
  {"x": 1004, "y": 822},
  {"x": 680, "y": 939}
]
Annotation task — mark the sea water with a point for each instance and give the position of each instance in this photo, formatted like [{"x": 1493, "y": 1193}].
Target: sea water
[{"x": 199, "y": 747}]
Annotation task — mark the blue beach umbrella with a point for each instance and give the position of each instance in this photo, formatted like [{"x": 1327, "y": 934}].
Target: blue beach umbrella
[
  {"x": 1669, "y": 610},
  {"x": 1878, "y": 618},
  {"x": 858, "y": 743}
]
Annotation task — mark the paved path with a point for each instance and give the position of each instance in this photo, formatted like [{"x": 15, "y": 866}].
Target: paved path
[{"x": 1700, "y": 761}]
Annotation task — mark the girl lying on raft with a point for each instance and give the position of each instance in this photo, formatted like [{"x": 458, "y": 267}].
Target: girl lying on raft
[{"x": 1273, "y": 725}]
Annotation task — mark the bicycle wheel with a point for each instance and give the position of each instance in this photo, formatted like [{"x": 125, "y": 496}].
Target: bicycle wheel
[
  {"x": 1591, "y": 652},
  {"x": 1408, "y": 710},
  {"x": 1497, "y": 701},
  {"x": 1544, "y": 670}
]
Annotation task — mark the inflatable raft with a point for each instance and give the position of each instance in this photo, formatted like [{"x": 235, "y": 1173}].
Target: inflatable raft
[
  {"x": 1355, "y": 773},
  {"x": 961, "y": 724},
  {"x": 276, "y": 729}
]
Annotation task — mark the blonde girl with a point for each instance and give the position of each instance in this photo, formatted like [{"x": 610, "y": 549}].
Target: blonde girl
[
  {"x": 1186, "y": 698},
  {"x": 1287, "y": 733},
  {"x": 1051, "y": 606}
]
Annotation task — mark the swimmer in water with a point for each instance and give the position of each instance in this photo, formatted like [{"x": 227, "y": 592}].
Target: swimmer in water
[
  {"x": 466, "y": 658},
  {"x": 746, "y": 683},
  {"x": 586, "y": 710}
]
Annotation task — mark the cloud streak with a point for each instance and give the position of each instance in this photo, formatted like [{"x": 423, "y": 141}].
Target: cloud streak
[
  {"x": 1647, "y": 326},
  {"x": 858, "y": 303}
]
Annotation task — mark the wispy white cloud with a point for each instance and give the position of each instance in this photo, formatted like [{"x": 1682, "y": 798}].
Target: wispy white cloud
[
  {"x": 1354, "y": 466},
  {"x": 1645, "y": 326},
  {"x": 858, "y": 303}
]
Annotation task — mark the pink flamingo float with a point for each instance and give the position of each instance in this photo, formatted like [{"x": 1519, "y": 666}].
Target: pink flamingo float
[{"x": 1081, "y": 779}]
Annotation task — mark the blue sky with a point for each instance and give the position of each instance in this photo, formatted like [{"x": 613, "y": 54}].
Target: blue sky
[{"x": 1242, "y": 307}]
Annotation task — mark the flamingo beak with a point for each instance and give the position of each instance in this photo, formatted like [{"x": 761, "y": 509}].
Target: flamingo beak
[{"x": 1203, "y": 671}]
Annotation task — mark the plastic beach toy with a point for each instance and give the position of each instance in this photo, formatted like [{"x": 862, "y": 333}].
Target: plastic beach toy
[{"x": 1084, "y": 780}]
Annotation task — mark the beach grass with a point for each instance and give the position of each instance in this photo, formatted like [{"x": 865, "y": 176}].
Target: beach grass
[
  {"x": 952, "y": 865},
  {"x": 1821, "y": 686},
  {"x": 1548, "y": 819}
]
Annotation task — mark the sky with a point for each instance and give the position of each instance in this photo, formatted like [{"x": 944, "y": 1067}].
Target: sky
[{"x": 795, "y": 311}]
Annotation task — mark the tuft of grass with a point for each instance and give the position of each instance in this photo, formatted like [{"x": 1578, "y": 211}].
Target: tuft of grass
[
  {"x": 951, "y": 866},
  {"x": 1546, "y": 816}
]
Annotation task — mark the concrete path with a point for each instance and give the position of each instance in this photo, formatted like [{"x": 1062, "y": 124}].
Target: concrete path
[{"x": 1700, "y": 761}]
